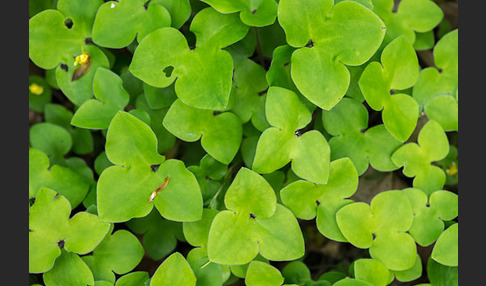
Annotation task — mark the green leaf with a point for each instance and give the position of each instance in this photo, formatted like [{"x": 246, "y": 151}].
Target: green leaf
[
  {"x": 410, "y": 274},
  {"x": 263, "y": 274},
  {"x": 111, "y": 97},
  {"x": 381, "y": 227},
  {"x": 174, "y": 271},
  {"x": 159, "y": 235},
  {"x": 436, "y": 88},
  {"x": 372, "y": 271},
  {"x": 139, "y": 173},
  {"x": 238, "y": 234},
  {"x": 208, "y": 274},
  {"x": 133, "y": 278},
  {"x": 347, "y": 122},
  {"x": 296, "y": 272},
  {"x": 329, "y": 37},
  {"x": 351, "y": 282},
  {"x": 51, "y": 229},
  {"x": 253, "y": 13},
  {"x": 51, "y": 139},
  {"x": 446, "y": 248},
  {"x": 283, "y": 142},
  {"x": 117, "y": 23},
  {"x": 51, "y": 42},
  {"x": 55, "y": 177},
  {"x": 69, "y": 269},
  {"x": 40, "y": 93},
  {"x": 307, "y": 200},
  {"x": 430, "y": 213},
  {"x": 220, "y": 134},
  {"x": 196, "y": 233},
  {"x": 179, "y": 11},
  {"x": 410, "y": 17},
  {"x": 80, "y": 89},
  {"x": 398, "y": 70},
  {"x": 250, "y": 85},
  {"x": 164, "y": 55},
  {"x": 442, "y": 275},
  {"x": 416, "y": 158},
  {"x": 119, "y": 252},
  {"x": 165, "y": 140}
]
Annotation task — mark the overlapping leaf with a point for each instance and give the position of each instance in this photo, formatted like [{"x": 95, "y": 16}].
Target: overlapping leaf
[
  {"x": 51, "y": 229},
  {"x": 372, "y": 271},
  {"x": 175, "y": 270},
  {"x": 69, "y": 269},
  {"x": 220, "y": 134},
  {"x": 430, "y": 213},
  {"x": 159, "y": 235},
  {"x": 307, "y": 200},
  {"x": 118, "y": 23},
  {"x": 263, "y": 274},
  {"x": 436, "y": 88},
  {"x": 254, "y": 223},
  {"x": 208, "y": 174},
  {"x": 329, "y": 37},
  {"x": 250, "y": 85},
  {"x": 111, "y": 97},
  {"x": 61, "y": 179},
  {"x": 164, "y": 56},
  {"x": 283, "y": 142},
  {"x": 409, "y": 18},
  {"x": 446, "y": 248},
  {"x": 398, "y": 70},
  {"x": 253, "y": 13},
  {"x": 381, "y": 227},
  {"x": 417, "y": 159},
  {"x": 124, "y": 190},
  {"x": 347, "y": 122},
  {"x": 119, "y": 252}
]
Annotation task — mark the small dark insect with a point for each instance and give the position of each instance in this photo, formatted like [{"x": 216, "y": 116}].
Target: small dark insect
[
  {"x": 159, "y": 188},
  {"x": 84, "y": 61}
]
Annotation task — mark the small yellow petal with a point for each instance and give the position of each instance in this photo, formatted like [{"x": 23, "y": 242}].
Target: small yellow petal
[{"x": 36, "y": 89}]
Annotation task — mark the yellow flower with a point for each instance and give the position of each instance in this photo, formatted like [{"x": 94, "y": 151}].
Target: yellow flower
[{"x": 36, "y": 89}]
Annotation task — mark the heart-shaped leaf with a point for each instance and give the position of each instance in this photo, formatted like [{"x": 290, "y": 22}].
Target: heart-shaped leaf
[
  {"x": 283, "y": 142},
  {"x": 69, "y": 269},
  {"x": 347, "y": 122},
  {"x": 164, "y": 56},
  {"x": 416, "y": 159},
  {"x": 253, "y": 13},
  {"x": 436, "y": 88},
  {"x": 307, "y": 200},
  {"x": 111, "y": 97},
  {"x": 117, "y": 23},
  {"x": 398, "y": 70},
  {"x": 133, "y": 278},
  {"x": 119, "y": 252},
  {"x": 381, "y": 227},
  {"x": 174, "y": 271},
  {"x": 343, "y": 34},
  {"x": 51, "y": 229},
  {"x": 220, "y": 134},
  {"x": 446, "y": 248},
  {"x": 141, "y": 176},
  {"x": 254, "y": 223},
  {"x": 430, "y": 213},
  {"x": 61, "y": 179},
  {"x": 372, "y": 271},
  {"x": 53, "y": 140}
]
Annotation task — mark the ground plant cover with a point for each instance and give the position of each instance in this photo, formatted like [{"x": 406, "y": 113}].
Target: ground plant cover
[{"x": 243, "y": 142}]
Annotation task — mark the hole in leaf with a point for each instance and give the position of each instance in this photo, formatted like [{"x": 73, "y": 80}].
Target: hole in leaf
[
  {"x": 168, "y": 71},
  {"x": 60, "y": 243},
  {"x": 64, "y": 67},
  {"x": 88, "y": 41},
  {"x": 254, "y": 11},
  {"x": 310, "y": 44},
  {"x": 68, "y": 22},
  {"x": 252, "y": 216},
  {"x": 155, "y": 167}
]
